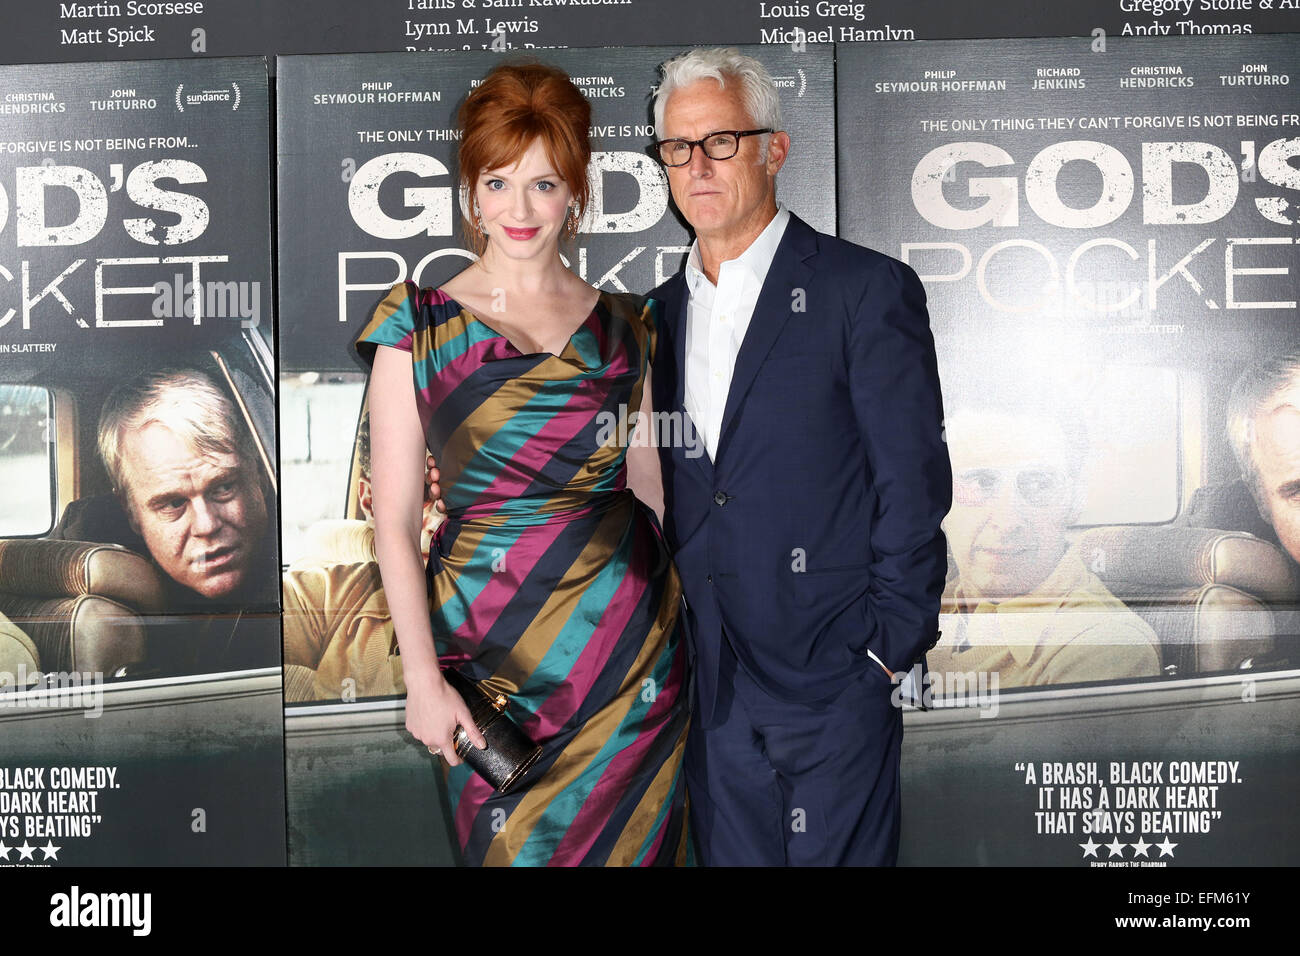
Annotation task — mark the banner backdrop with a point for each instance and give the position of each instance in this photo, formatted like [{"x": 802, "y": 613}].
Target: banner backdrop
[
  {"x": 140, "y": 29},
  {"x": 1106, "y": 228},
  {"x": 369, "y": 196},
  {"x": 1107, "y": 235},
  {"x": 139, "y": 614}
]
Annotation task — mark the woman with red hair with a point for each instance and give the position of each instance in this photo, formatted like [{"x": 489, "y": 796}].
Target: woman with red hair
[{"x": 549, "y": 581}]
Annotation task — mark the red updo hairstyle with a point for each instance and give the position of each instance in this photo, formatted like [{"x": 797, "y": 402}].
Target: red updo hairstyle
[{"x": 515, "y": 104}]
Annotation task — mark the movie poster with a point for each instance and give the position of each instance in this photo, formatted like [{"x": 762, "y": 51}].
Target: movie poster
[
  {"x": 368, "y": 188},
  {"x": 1107, "y": 232},
  {"x": 140, "y": 712}
]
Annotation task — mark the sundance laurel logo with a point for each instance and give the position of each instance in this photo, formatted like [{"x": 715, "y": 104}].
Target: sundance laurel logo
[
  {"x": 76, "y": 908},
  {"x": 227, "y": 95}
]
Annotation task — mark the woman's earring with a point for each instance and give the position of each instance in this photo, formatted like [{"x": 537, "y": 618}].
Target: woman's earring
[
  {"x": 477, "y": 219},
  {"x": 571, "y": 225}
]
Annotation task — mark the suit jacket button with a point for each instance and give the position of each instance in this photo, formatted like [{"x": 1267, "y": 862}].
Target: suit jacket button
[
  {"x": 719, "y": 498},
  {"x": 710, "y": 579}
]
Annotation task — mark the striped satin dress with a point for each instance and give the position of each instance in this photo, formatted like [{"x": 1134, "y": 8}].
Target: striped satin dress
[{"x": 550, "y": 581}]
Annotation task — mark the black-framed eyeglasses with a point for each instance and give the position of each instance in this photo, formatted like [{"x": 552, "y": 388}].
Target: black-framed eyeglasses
[
  {"x": 722, "y": 144},
  {"x": 1038, "y": 487}
]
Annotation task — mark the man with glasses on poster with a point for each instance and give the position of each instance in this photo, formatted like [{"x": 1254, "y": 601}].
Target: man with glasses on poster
[
  {"x": 808, "y": 537},
  {"x": 1024, "y": 606}
]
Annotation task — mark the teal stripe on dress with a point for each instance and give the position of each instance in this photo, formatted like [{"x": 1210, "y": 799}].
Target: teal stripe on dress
[
  {"x": 452, "y": 349},
  {"x": 564, "y": 807},
  {"x": 472, "y": 579},
  {"x": 556, "y": 663},
  {"x": 395, "y": 327},
  {"x": 497, "y": 452},
  {"x": 664, "y": 809},
  {"x": 457, "y": 778},
  {"x": 587, "y": 345},
  {"x": 465, "y": 492}
]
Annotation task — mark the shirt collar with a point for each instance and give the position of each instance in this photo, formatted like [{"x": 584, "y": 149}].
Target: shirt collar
[
  {"x": 1059, "y": 589},
  {"x": 1052, "y": 594},
  {"x": 757, "y": 259}
]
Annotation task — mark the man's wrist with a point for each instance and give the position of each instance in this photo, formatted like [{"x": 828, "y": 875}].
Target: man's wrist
[{"x": 872, "y": 655}]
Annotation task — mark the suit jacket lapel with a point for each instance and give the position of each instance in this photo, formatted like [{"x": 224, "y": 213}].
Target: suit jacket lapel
[
  {"x": 790, "y": 270},
  {"x": 679, "y": 305},
  {"x": 675, "y": 321}
]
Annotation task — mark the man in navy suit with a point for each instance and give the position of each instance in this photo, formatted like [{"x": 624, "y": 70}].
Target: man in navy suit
[{"x": 808, "y": 536}]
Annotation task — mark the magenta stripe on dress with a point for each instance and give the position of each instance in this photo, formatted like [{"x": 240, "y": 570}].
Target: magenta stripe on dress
[
  {"x": 433, "y": 297},
  {"x": 472, "y": 797},
  {"x": 552, "y": 714},
  {"x": 652, "y": 854},
  {"x": 618, "y": 774},
  {"x": 539, "y": 450},
  {"x": 460, "y": 368},
  {"x": 520, "y": 558}
]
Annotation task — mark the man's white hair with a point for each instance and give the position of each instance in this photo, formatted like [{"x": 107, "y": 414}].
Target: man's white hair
[
  {"x": 187, "y": 402},
  {"x": 723, "y": 64},
  {"x": 1261, "y": 388}
]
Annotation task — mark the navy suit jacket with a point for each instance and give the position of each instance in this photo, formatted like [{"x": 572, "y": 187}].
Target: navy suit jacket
[{"x": 814, "y": 535}]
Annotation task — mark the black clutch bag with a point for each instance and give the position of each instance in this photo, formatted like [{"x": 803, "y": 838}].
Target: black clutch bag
[{"x": 509, "y": 752}]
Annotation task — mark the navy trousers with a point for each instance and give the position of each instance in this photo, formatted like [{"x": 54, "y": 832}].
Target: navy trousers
[{"x": 778, "y": 784}]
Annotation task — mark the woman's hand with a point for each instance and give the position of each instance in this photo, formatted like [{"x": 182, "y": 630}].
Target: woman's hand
[
  {"x": 433, "y": 710},
  {"x": 431, "y": 476}
]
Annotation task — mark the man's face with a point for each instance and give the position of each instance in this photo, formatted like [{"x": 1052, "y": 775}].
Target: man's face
[
  {"x": 730, "y": 199},
  {"x": 1277, "y": 457},
  {"x": 202, "y": 516},
  {"x": 1013, "y": 498}
]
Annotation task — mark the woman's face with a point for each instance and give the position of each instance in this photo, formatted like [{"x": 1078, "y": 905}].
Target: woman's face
[{"x": 523, "y": 207}]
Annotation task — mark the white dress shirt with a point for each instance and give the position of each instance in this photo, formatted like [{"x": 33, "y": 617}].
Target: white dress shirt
[{"x": 717, "y": 318}]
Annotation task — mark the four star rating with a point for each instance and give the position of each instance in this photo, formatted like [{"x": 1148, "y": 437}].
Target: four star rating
[
  {"x": 1116, "y": 848},
  {"x": 27, "y": 851}
]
